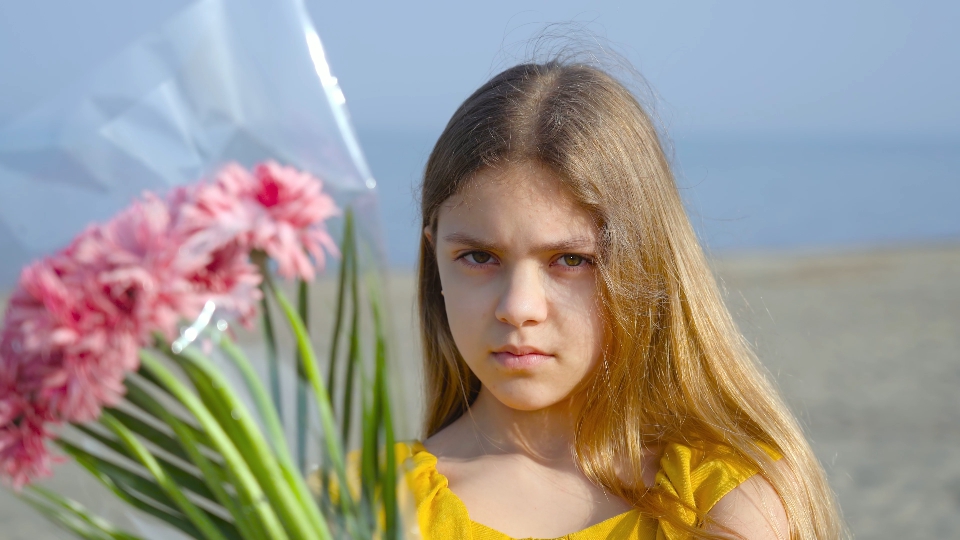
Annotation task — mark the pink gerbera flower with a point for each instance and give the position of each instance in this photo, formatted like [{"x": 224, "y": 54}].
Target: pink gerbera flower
[
  {"x": 23, "y": 430},
  {"x": 65, "y": 340},
  {"x": 294, "y": 210},
  {"x": 23, "y": 452},
  {"x": 276, "y": 209},
  {"x": 75, "y": 323},
  {"x": 137, "y": 278}
]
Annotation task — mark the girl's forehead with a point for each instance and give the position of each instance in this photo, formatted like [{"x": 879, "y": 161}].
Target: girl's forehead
[
  {"x": 523, "y": 183},
  {"x": 519, "y": 202}
]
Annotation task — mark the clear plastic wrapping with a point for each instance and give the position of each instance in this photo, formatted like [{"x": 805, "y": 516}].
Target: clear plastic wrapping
[{"x": 223, "y": 81}]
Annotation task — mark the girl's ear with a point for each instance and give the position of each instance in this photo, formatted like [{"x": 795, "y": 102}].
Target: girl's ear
[{"x": 429, "y": 236}]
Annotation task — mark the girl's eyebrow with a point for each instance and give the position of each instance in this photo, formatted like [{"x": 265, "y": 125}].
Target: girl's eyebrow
[{"x": 575, "y": 243}]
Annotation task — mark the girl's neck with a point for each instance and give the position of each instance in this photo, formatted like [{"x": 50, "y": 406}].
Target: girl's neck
[{"x": 543, "y": 435}]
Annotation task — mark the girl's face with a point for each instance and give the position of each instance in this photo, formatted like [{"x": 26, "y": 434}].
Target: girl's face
[{"x": 516, "y": 258}]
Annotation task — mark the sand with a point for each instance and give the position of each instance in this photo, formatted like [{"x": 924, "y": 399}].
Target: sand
[
  {"x": 865, "y": 347},
  {"x": 866, "y": 350}
]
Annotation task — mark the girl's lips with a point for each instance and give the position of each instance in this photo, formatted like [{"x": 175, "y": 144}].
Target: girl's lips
[{"x": 519, "y": 362}]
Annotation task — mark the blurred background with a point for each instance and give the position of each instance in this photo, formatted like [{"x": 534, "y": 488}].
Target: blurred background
[{"x": 817, "y": 145}]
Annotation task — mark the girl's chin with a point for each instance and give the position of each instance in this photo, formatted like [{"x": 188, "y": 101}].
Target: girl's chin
[{"x": 528, "y": 398}]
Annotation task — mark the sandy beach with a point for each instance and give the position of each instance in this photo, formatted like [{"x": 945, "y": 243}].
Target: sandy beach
[{"x": 865, "y": 347}]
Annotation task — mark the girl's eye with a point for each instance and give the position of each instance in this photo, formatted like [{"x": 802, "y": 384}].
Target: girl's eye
[
  {"x": 572, "y": 260},
  {"x": 478, "y": 257}
]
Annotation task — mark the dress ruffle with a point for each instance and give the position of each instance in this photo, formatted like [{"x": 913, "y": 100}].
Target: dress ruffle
[{"x": 697, "y": 477}]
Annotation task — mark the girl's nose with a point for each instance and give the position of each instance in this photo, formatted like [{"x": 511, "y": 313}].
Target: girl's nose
[{"x": 524, "y": 300}]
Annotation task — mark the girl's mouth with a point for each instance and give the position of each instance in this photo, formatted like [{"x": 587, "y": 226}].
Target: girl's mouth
[{"x": 520, "y": 359}]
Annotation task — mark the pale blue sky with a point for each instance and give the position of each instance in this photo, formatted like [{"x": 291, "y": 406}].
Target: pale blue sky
[
  {"x": 815, "y": 66},
  {"x": 814, "y": 123}
]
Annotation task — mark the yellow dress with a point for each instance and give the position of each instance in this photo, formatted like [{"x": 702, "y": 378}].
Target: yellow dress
[{"x": 697, "y": 477}]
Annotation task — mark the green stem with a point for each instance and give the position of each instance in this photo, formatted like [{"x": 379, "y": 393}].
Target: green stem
[
  {"x": 276, "y": 472},
  {"x": 303, "y": 307},
  {"x": 131, "y": 489},
  {"x": 369, "y": 449},
  {"x": 138, "y": 395},
  {"x": 261, "y": 399},
  {"x": 148, "y": 432},
  {"x": 324, "y": 409},
  {"x": 167, "y": 484},
  {"x": 215, "y": 477},
  {"x": 303, "y": 411},
  {"x": 275, "y": 431},
  {"x": 353, "y": 359},
  {"x": 273, "y": 362},
  {"x": 382, "y": 394},
  {"x": 346, "y": 261},
  {"x": 58, "y": 502},
  {"x": 180, "y": 475},
  {"x": 245, "y": 482},
  {"x": 123, "y": 476},
  {"x": 66, "y": 520}
]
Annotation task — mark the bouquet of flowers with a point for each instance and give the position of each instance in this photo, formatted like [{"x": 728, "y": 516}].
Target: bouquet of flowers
[{"x": 120, "y": 352}]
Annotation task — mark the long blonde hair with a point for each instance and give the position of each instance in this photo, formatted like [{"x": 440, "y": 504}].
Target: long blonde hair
[{"x": 675, "y": 367}]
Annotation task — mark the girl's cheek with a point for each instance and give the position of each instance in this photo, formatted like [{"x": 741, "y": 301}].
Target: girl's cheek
[
  {"x": 573, "y": 289},
  {"x": 460, "y": 297}
]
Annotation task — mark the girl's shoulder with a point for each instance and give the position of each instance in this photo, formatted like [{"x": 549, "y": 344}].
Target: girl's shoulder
[
  {"x": 700, "y": 474},
  {"x": 693, "y": 476}
]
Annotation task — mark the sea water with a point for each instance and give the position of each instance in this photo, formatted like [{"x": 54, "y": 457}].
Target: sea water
[{"x": 748, "y": 193}]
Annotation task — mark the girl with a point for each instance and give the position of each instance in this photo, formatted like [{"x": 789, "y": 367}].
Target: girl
[{"x": 583, "y": 377}]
